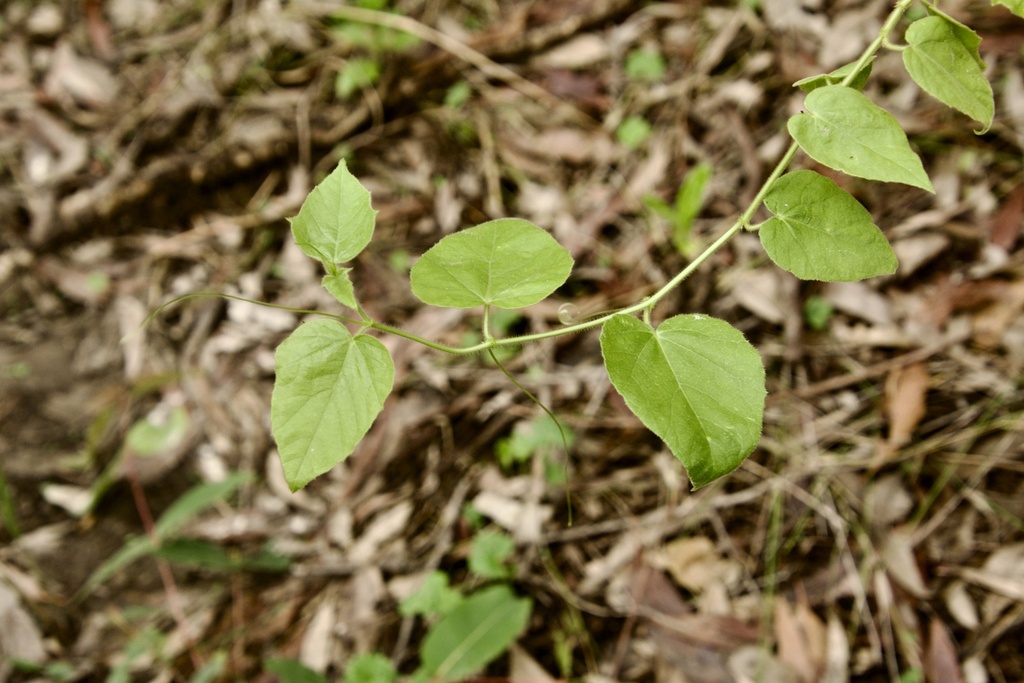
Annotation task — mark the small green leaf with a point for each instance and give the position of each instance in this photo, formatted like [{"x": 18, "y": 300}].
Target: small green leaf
[
  {"x": 434, "y": 596},
  {"x": 212, "y": 670},
  {"x": 356, "y": 74},
  {"x": 836, "y": 77},
  {"x": 689, "y": 201},
  {"x": 846, "y": 131},
  {"x": 530, "y": 437},
  {"x": 945, "y": 67},
  {"x": 633, "y": 132},
  {"x": 155, "y": 434},
  {"x": 1015, "y": 6},
  {"x": 817, "y": 312},
  {"x": 489, "y": 554},
  {"x": 508, "y": 263},
  {"x": 330, "y": 387},
  {"x": 645, "y": 65},
  {"x": 194, "y": 501},
  {"x": 473, "y": 634},
  {"x": 198, "y": 553},
  {"x": 369, "y": 668},
  {"x": 340, "y": 286},
  {"x": 458, "y": 94},
  {"x": 293, "y": 671},
  {"x": 695, "y": 382},
  {"x": 336, "y": 221},
  {"x": 820, "y": 232},
  {"x": 185, "y": 508}
]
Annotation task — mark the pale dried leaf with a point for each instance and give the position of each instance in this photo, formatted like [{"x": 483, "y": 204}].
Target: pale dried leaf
[
  {"x": 53, "y": 153},
  {"x": 1003, "y": 575},
  {"x": 760, "y": 292},
  {"x": 524, "y": 520},
  {"x": 837, "y": 661},
  {"x": 860, "y": 301},
  {"x": 695, "y": 564},
  {"x": 848, "y": 34},
  {"x": 975, "y": 671},
  {"x": 1013, "y": 99},
  {"x": 19, "y": 636},
  {"x": 918, "y": 249},
  {"x": 887, "y": 502},
  {"x": 941, "y": 663},
  {"x": 905, "y": 391},
  {"x": 751, "y": 664},
  {"x": 582, "y": 51},
  {"x": 573, "y": 145},
  {"x": 801, "y": 640},
  {"x": 649, "y": 174},
  {"x": 75, "y": 500},
  {"x": 361, "y": 613},
  {"x": 46, "y": 21},
  {"x": 601, "y": 569},
  {"x": 524, "y": 669},
  {"x": 84, "y": 80},
  {"x": 900, "y": 563},
  {"x": 133, "y": 14},
  {"x": 384, "y": 527},
  {"x": 315, "y": 650},
  {"x": 962, "y": 606}
]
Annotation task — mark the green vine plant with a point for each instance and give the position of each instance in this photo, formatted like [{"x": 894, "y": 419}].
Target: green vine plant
[{"x": 693, "y": 380}]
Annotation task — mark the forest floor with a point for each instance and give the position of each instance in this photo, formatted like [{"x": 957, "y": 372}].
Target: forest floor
[{"x": 154, "y": 148}]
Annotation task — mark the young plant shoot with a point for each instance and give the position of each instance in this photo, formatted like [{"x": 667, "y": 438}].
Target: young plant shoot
[{"x": 693, "y": 380}]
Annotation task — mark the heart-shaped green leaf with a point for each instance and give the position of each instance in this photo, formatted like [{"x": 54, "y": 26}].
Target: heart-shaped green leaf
[
  {"x": 508, "y": 263},
  {"x": 695, "y": 382},
  {"x": 330, "y": 387},
  {"x": 964, "y": 33},
  {"x": 844, "y": 130},
  {"x": 820, "y": 232},
  {"x": 939, "y": 61},
  {"x": 336, "y": 221}
]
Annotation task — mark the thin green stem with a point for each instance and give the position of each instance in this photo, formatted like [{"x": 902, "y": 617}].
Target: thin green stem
[
  {"x": 232, "y": 297},
  {"x": 437, "y": 346},
  {"x": 883, "y": 36},
  {"x": 647, "y": 304}
]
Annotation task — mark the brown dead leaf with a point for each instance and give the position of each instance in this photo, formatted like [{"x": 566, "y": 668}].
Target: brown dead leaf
[
  {"x": 695, "y": 564},
  {"x": 992, "y": 321},
  {"x": 941, "y": 663},
  {"x": 801, "y": 639},
  {"x": 1009, "y": 221},
  {"x": 905, "y": 391},
  {"x": 657, "y": 600},
  {"x": 1003, "y": 575}
]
